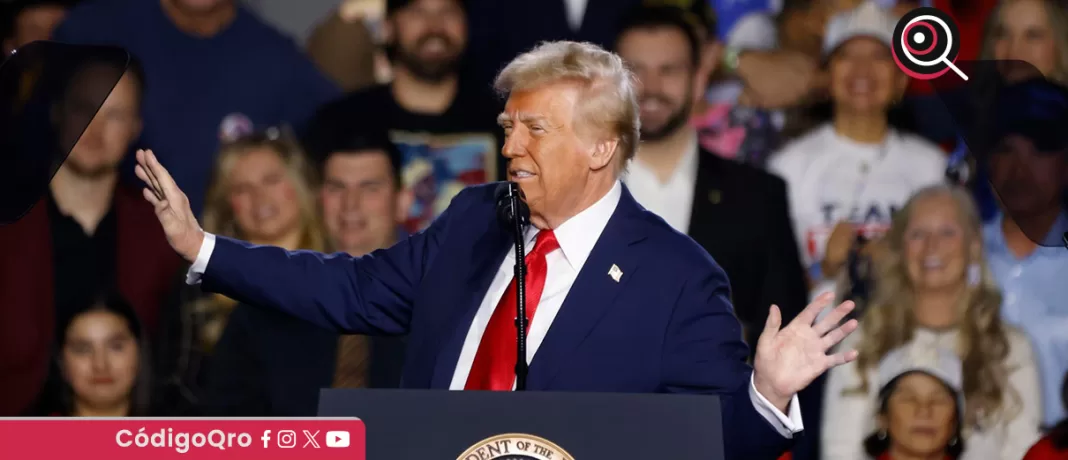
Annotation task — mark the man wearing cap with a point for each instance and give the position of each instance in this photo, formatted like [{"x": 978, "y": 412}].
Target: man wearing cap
[
  {"x": 1028, "y": 166},
  {"x": 442, "y": 122}
]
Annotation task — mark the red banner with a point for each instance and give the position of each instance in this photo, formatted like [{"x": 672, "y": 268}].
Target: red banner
[{"x": 186, "y": 438}]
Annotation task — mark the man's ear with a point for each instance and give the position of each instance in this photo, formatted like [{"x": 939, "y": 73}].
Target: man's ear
[
  {"x": 405, "y": 198},
  {"x": 711, "y": 54},
  {"x": 603, "y": 152}
]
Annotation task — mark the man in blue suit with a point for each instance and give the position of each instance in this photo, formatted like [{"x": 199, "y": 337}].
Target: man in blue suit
[{"x": 619, "y": 301}]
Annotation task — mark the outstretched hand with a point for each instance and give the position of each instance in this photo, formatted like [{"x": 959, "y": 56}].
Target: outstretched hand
[
  {"x": 172, "y": 206},
  {"x": 789, "y": 359}
]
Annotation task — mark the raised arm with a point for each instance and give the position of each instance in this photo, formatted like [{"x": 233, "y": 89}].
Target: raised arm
[{"x": 366, "y": 295}]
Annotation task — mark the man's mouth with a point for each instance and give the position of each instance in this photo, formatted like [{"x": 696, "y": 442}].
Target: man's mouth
[{"x": 520, "y": 174}]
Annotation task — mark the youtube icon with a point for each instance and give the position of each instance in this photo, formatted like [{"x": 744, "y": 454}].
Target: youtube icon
[{"x": 337, "y": 439}]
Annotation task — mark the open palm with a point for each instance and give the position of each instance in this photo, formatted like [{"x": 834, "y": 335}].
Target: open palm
[
  {"x": 171, "y": 206},
  {"x": 789, "y": 359}
]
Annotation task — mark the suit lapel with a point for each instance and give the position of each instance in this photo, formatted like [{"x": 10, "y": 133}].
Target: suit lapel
[
  {"x": 488, "y": 251},
  {"x": 593, "y": 293}
]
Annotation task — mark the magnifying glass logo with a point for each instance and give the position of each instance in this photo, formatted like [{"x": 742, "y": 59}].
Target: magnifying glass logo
[{"x": 925, "y": 44}]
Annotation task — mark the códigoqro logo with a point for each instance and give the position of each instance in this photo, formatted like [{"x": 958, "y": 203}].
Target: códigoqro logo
[
  {"x": 926, "y": 43},
  {"x": 515, "y": 446}
]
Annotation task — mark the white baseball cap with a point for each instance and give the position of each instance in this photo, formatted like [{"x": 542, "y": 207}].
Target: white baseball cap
[
  {"x": 867, "y": 20},
  {"x": 934, "y": 361}
]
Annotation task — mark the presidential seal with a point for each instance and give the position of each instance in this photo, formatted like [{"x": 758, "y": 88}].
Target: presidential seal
[{"x": 515, "y": 446}]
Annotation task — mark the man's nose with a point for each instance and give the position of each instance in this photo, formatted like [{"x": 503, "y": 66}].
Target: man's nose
[
  {"x": 350, "y": 200},
  {"x": 648, "y": 83},
  {"x": 514, "y": 144}
]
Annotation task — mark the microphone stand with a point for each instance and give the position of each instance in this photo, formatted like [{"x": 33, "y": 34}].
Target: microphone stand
[{"x": 521, "y": 365}]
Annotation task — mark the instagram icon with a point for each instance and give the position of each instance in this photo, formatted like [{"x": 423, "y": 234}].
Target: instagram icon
[{"x": 287, "y": 439}]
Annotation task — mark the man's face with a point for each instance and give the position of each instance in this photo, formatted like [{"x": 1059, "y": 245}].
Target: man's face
[
  {"x": 429, "y": 36},
  {"x": 111, "y": 132},
  {"x": 361, "y": 202},
  {"x": 1028, "y": 182},
  {"x": 33, "y": 24},
  {"x": 548, "y": 158},
  {"x": 661, "y": 59}
]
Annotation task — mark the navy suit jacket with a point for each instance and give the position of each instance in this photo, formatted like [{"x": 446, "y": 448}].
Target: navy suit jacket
[{"x": 666, "y": 326}]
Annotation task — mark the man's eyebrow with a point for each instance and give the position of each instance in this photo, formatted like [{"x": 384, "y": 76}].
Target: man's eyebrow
[
  {"x": 527, "y": 118},
  {"x": 523, "y": 118}
]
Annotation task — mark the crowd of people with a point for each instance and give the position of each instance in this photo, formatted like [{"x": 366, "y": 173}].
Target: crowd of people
[{"x": 787, "y": 143}]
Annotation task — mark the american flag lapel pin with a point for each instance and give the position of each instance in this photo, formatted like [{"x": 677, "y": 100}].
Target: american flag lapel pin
[{"x": 615, "y": 272}]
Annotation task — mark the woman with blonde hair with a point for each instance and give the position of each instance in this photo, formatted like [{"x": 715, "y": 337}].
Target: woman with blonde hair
[
  {"x": 934, "y": 290},
  {"x": 261, "y": 191},
  {"x": 1031, "y": 31}
]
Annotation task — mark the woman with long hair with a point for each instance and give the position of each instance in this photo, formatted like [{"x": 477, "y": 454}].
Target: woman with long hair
[
  {"x": 101, "y": 366},
  {"x": 934, "y": 290},
  {"x": 1031, "y": 31},
  {"x": 261, "y": 191}
]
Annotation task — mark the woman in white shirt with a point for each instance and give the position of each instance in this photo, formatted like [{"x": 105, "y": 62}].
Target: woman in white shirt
[
  {"x": 849, "y": 175},
  {"x": 933, "y": 290}
]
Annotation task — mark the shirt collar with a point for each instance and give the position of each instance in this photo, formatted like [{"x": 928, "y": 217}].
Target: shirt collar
[
  {"x": 994, "y": 237},
  {"x": 686, "y": 169},
  {"x": 579, "y": 234},
  {"x": 689, "y": 161}
]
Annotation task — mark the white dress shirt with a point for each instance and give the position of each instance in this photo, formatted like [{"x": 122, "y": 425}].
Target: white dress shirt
[
  {"x": 577, "y": 238},
  {"x": 671, "y": 200}
]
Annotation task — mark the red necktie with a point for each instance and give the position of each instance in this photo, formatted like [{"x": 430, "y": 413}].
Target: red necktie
[{"x": 494, "y": 365}]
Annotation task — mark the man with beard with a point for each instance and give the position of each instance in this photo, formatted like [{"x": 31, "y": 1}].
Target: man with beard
[
  {"x": 1028, "y": 167},
  {"x": 214, "y": 67},
  {"x": 443, "y": 126},
  {"x": 88, "y": 235},
  {"x": 737, "y": 212}
]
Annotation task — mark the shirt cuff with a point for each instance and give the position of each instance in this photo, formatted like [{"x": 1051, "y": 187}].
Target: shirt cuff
[
  {"x": 201, "y": 264},
  {"x": 787, "y": 426}
]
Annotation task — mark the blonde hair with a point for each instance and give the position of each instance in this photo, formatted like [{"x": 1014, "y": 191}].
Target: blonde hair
[
  {"x": 1056, "y": 17},
  {"x": 610, "y": 100},
  {"x": 219, "y": 218},
  {"x": 983, "y": 341}
]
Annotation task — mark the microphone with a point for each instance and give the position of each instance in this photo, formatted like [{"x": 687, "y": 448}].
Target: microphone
[{"x": 514, "y": 215}]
